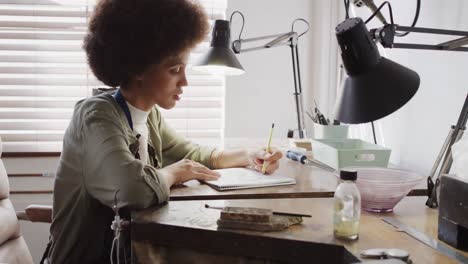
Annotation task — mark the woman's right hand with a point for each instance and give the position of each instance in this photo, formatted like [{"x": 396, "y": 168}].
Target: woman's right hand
[{"x": 186, "y": 170}]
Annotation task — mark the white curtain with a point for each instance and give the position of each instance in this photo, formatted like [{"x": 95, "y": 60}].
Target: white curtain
[{"x": 325, "y": 57}]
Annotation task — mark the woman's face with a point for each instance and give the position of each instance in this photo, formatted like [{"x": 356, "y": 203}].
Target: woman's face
[{"x": 162, "y": 83}]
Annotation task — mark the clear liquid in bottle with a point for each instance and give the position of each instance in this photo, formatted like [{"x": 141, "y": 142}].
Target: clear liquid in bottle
[{"x": 347, "y": 207}]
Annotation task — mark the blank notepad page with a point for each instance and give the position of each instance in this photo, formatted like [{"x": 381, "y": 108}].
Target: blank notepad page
[{"x": 242, "y": 178}]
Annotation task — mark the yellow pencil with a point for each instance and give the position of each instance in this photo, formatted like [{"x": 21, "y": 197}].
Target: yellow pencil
[{"x": 268, "y": 148}]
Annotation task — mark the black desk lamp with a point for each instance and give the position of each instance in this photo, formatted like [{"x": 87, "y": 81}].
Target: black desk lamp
[
  {"x": 220, "y": 59},
  {"x": 376, "y": 86},
  {"x": 386, "y": 86}
]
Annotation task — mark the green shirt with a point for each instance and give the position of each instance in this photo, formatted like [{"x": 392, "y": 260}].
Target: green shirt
[{"x": 96, "y": 161}]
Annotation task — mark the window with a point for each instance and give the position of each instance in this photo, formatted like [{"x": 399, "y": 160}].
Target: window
[{"x": 43, "y": 73}]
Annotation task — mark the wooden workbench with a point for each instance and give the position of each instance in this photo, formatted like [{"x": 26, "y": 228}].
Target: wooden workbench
[
  {"x": 186, "y": 232},
  {"x": 312, "y": 182}
]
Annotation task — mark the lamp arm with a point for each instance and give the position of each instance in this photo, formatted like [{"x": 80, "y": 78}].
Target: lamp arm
[
  {"x": 298, "y": 92},
  {"x": 385, "y": 35},
  {"x": 290, "y": 39},
  {"x": 260, "y": 47},
  {"x": 276, "y": 41}
]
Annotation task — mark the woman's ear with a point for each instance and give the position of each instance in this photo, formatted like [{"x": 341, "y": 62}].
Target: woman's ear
[{"x": 139, "y": 77}]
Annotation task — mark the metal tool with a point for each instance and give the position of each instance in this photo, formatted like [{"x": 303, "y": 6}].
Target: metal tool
[
  {"x": 320, "y": 117},
  {"x": 387, "y": 253},
  {"x": 304, "y": 160},
  {"x": 311, "y": 115},
  {"x": 273, "y": 212},
  {"x": 442, "y": 248}
]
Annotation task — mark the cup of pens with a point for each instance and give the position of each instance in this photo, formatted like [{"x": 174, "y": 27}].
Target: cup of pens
[{"x": 325, "y": 128}]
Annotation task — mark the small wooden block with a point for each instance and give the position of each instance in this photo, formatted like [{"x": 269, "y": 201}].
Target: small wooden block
[
  {"x": 246, "y": 214},
  {"x": 277, "y": 223}
]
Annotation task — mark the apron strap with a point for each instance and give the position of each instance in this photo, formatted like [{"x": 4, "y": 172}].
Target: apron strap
[{"x": 123, "y": 105}]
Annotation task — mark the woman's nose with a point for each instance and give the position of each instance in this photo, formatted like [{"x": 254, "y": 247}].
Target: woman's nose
[{"x": 183, "y": 81}]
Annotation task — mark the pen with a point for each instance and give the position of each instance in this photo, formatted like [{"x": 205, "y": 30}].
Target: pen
[
  {"x": 268, "y": 148},
  {"x": 275, "y": 213}
]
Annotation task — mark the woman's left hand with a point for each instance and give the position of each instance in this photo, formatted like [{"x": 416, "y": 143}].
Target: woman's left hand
[{"x": 258, "y": 157}]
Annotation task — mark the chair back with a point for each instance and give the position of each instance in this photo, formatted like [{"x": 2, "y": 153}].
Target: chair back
[{"x": 13, "y": 248}]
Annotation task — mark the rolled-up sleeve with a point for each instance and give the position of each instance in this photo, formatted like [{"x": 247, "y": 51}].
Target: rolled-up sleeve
[
  {"x": 175, "y": 148},
  {"x": 110, "y": 166}
]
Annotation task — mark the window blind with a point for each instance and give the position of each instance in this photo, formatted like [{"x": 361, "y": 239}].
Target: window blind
[{"x": 43, "y": 73}]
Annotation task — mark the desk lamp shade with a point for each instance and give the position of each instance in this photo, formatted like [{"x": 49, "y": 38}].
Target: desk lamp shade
[
  {"x": 220, "y": 59},
  {"x": 376, "y": 86}
]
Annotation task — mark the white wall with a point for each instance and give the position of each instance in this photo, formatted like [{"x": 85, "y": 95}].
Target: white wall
[
  {"x": 416, "y": 132},
  {"x": 264, "y": 94}
]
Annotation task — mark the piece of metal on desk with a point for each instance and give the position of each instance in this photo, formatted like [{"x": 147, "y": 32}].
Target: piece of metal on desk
[
  {"x": 387, "y": 253},
  {"x": 384, "y": 261},
  {"x": 442, "y": 248}
]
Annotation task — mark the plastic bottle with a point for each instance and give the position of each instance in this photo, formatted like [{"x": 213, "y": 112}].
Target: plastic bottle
[{"x": 347, "y": 207}]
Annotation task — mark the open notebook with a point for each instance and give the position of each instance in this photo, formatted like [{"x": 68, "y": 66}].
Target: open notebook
[{"x": 241, "y": 178}]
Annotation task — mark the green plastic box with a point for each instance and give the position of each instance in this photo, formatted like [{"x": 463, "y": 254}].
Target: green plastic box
[{"x": 340, "y": 153}]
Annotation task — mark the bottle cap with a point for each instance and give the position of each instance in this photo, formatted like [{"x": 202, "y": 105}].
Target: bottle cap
[{"x": 348, "y": 175}]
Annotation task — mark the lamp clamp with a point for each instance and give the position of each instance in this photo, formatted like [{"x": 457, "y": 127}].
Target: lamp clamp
[{"x": 385, "y": 35}]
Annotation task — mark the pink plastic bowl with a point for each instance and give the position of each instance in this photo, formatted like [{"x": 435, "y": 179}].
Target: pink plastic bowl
[{"x": 382, "y": 188}]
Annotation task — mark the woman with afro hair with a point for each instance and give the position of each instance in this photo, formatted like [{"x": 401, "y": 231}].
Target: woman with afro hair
[{"x": 118, "y": 144}]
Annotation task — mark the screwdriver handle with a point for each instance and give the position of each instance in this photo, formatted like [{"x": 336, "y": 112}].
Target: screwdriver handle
[{"x": 296, "y": 156}]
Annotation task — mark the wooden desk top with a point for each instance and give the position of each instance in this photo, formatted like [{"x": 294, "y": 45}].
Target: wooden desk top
[
  {"x": 312, "y": 182},
  {"x": 374, "y": 233}
]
